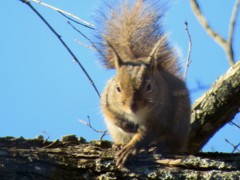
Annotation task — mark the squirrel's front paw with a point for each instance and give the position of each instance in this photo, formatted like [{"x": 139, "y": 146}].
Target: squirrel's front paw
[{"x": 124, "y": 153}]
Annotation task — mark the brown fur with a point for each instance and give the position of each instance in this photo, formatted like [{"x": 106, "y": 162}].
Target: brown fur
[{"x": 146, "y": 102}]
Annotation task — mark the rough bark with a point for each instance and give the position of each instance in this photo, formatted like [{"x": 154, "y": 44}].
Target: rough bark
[
  {"x": 73, "y": 158},
  {"x": 215, "y": 108}
]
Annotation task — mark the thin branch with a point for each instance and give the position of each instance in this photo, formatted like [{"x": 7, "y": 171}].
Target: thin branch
[
  {"x": 189, "y": 51},
  {"x": 196, "y": 8},
  {"x": 226, "y": 45},
  {"x": 199, "y": 87},
  {"x": 233, "y": 123},
  {"x": 235, "y": 147},
  {"x": 85, "y": 45},
  {"x": 233, "y": 21},
  {"x": 93, "y": 45},
  {"x": 48, "y": 136},
  {"x": 65, "y": 12},
  {"x": 232, "y": 28},
  {"x": 76, "y": 21},
  {"x": 91, "y": 127},
  {"x": 63, "y": 43}
]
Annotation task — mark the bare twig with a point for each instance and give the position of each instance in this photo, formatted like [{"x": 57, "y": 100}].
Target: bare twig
[
  {"x": 48, "y": 136},
  {"x": 63, "y": 43},
  {"x": 65, "y": 12},
  {"x": 225, "y": 44},
  {"x": 199, "y": 87},
  {"x": 93, "y": 45},
  {"x": 233, "y": 123},
  {"x": 232, "y": 28},
  {"x": 90, "y": 126},
  {"x": 235, "y": 147},
  {"x": 85, "y": 45},
  {"x": 189, "y": 51},
  {"x": 90, "y": 27},
  {"x": 204, "y": 23}
]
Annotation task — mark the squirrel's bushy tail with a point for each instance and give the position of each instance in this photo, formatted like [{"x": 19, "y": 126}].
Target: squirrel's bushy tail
[{"x": 133, "y": 27}]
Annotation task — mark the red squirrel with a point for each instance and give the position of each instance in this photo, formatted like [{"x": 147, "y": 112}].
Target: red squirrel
[{"x": 147, "y": 101}]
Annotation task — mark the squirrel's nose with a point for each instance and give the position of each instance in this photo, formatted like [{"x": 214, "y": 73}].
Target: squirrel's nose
[{"x": 134, "y": 107}]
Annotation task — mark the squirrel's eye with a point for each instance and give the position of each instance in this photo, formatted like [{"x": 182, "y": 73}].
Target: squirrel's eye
[
  {"x": 148, "y": 87},
  {"x": 118, "y": 89}
]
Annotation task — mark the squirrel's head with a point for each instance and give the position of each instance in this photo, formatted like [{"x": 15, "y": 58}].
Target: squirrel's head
[{"x": 136, "y": 85}]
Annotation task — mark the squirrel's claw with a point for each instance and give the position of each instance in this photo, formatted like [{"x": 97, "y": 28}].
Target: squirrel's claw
[{"x": 123, "y": 155}]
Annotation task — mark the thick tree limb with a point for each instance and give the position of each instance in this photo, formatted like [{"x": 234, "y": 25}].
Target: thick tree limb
[
  {"x": 215, "y": 108},
  {"x": 74, "y": 159}
]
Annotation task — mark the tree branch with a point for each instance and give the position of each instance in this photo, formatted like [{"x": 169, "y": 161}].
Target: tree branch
[
  {"x": 83, "y": 22},
  {"x": 188, "y": 61},
  {"x": 231, "y": 29},
  {"x": 196, "y": 9},
  {"x": 73, "y": 158},
  {"x": 215, "y": 108},
  {"x": 235, "y": 147},
  {"x": 63, "y": 43},
  {"x": 89, "y": 40},
  {"x": 91, "y": 127},
  {"x": 226, "y": 45}
]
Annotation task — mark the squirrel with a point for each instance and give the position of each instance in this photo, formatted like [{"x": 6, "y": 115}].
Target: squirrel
[{"x": 147, "y": 102}]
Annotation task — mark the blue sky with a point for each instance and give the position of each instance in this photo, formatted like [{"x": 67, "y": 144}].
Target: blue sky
[{"x": 42, "y": 89}]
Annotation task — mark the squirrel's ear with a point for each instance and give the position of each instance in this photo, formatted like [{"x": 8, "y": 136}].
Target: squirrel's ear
[
  {"x": 117, "y": 60},
  {"x": 152, "y": 58}
]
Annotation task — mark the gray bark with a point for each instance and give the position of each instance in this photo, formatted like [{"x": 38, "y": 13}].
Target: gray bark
[
  {"x": 215, "y": 108},
  {"x": 73, "y": 158}
]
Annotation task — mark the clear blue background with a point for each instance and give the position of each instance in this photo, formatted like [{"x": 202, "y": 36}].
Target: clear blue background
[{"x": 43, "y": 90}]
